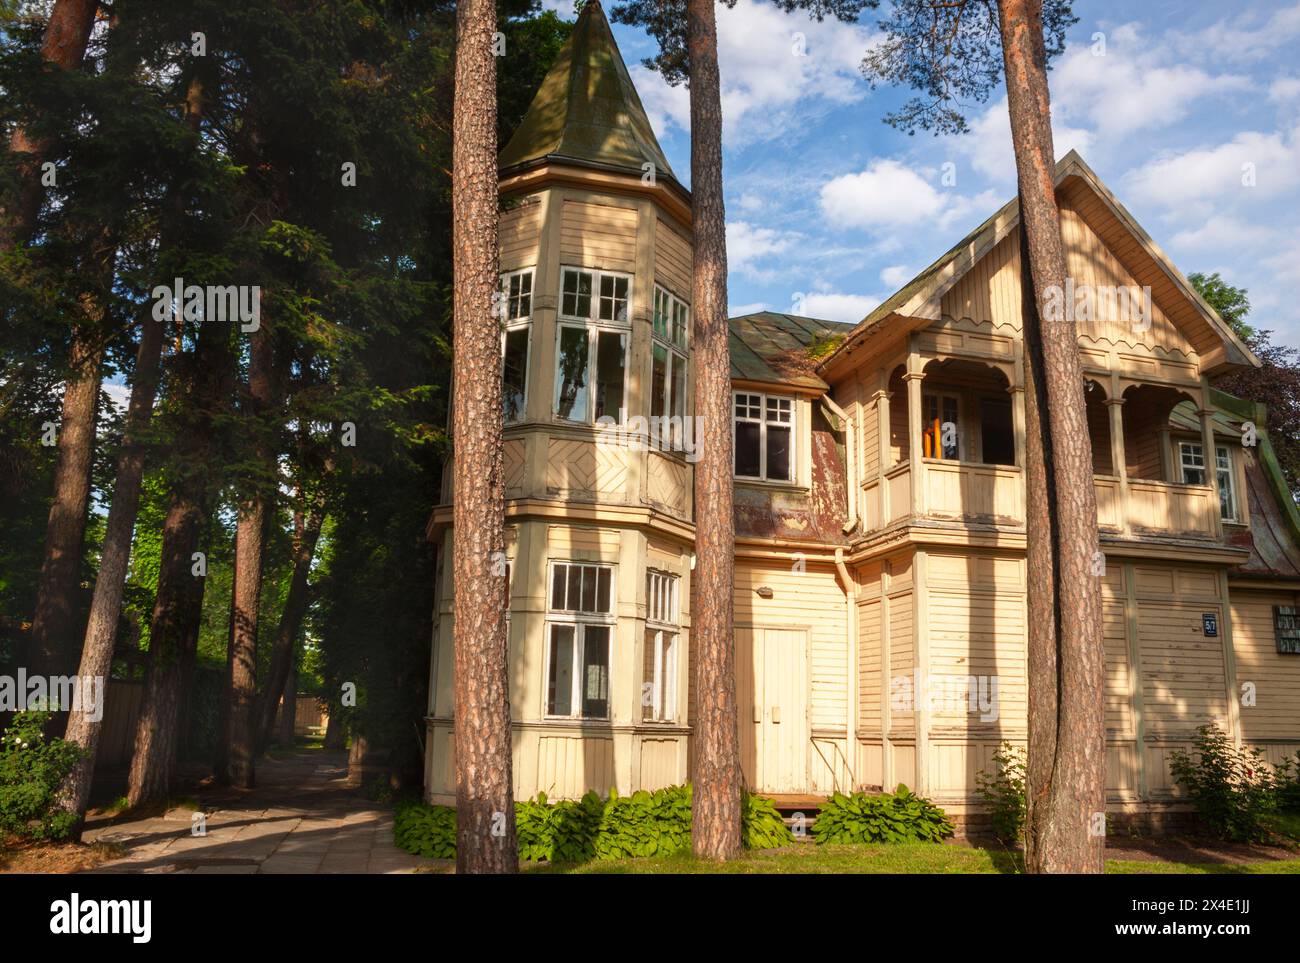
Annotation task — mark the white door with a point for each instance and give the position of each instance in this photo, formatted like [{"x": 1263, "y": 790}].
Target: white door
[{"x": 772, "y": 693}]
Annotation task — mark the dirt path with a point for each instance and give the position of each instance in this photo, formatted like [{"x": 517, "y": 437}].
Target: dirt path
[{"x": 301, "y": 818}]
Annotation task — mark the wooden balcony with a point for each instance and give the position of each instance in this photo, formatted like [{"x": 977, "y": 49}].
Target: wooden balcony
[
  {"x": 1156, "y": 508},
  {"x": 962, "y": 490}
]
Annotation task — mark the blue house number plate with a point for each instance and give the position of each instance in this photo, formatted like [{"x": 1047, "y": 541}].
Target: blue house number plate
[{"x": 1210, "y": 622}]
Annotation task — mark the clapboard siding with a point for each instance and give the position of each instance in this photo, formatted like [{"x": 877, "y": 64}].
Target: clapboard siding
[
  {"x": 598, "y": 236},
  {"x": 813, "y": 600},
  {"x": 520, "y": 234},
  {"x": 674, "y": 262},
  {"x": 1275, "y": 677}
]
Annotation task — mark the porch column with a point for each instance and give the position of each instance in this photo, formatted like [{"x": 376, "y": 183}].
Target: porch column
[
  {"x": 882, "y": 445},
  {"x": 914, "y": 377},
  {"x": 1206, "y": 414},
  {"x": 1115, "y": 405}
]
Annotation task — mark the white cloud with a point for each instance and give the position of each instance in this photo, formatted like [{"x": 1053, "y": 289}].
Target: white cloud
[
  {"x": 1200, "y": 180},
  {"x": 886, "y": 194},
  {"x": 771, "y": 81},
  {"x": 988, "y": 148},
  {"x": 1219, "y": 232},
  {"x": 748, "y": 244},
  {"x": 1246, "y": 37},
  {"x": 833, "y": 306},
  {"x": 740, "y": 310},
  {"x": 1285, "y": 90},
  {"x": 895, "y": 276}
]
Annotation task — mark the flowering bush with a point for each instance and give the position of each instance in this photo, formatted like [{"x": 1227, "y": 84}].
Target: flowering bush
[{"x": 31, "y": 769}]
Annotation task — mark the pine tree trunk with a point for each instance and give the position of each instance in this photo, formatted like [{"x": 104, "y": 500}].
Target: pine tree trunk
[
  {"x": 306, "y": 536},
  {"x": 174, "y": 625},
  {"x": 250, "y": 543},
  {"x": 106, "y": 606},
  {"x": 66, "y": 37},
  {"x": 485, "y": 841},
  {"x": 716, "y": 777},
  {"x": 1067, "y": 832},
  {"x": 334, "y": 729},
  {"x": 54, "y": 625}
]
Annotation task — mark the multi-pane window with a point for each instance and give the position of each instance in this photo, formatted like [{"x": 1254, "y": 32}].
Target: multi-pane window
[
  {"x": 1191, "y": 459},
  {"x": 580, "y": 624},
  {"x": 764, "y": 436},
  {"x": 1286, "y": 629},
  {"x": 668, "y": 364},
  {"x": 940, "y": 435},
  {"x": 659, "y": 686},
  {"x": 516, "y": 339},
  {"x": 591, "y": 349}
]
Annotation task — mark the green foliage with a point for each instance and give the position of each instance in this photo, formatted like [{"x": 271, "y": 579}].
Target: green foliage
[
  {"x": 902, "y": 817},
  {"x": 1233, "y": 789},
  {"x": 643, "y": 824},
  {"x": 31, "y": 769},
  {"x": 761, "y": 825},
  {"x": 426, "y": 830},
  {"x": 1004, "y": 791},
  {"x": 1231, "y": 302}
]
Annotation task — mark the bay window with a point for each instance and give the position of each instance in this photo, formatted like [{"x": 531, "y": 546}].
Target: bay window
[
  {"x": 591, "y": 346},
  {"x": 579, "y": 627},
  {"x": 763, "y": 429}
]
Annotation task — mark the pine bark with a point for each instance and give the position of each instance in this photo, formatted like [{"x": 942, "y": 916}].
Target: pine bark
[
  {"x": 173, "y": 630},
  {"x": 716, "y": 775},
  {"x": 54, "y": 624},
  {"x": 287, "y": 717},
  {"x": 1067, "y": 750},
  {"x": 64, "y": 47},
  {"x": 306, "y": 535},
  {"x": 106, "y": 605},
  {"x": 485, "y": 809}
]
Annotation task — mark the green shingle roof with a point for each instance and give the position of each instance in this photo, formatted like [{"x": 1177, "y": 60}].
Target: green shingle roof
[
  {"x": 767, "y": 346},
  {"x": 587, "y": 109}
]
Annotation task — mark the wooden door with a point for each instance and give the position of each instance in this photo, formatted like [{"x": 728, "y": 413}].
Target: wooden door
[{"x": 772, "y": 694}]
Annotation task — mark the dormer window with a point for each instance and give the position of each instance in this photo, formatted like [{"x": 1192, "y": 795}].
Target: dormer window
[
  {"x": 591, "y": 345},
  {"x": 763, "y": 428}
]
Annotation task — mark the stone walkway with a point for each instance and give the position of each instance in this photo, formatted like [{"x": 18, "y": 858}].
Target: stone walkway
[{"x": 301, "y": 818}]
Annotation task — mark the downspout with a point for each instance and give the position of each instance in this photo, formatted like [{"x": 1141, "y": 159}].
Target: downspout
[
  {"x": 851, "y": 627},
  {"x": 850, "y": 463}
]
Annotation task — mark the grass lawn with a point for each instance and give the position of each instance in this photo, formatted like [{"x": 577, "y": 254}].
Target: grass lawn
[{"x": 888, "y": 858}]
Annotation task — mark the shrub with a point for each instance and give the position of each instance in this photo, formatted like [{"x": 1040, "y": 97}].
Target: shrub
[
  {"x": 426, "y": 830},
  {"x": 31, "y": 770},
  {"x": 1232, "y": 789},
  {"x": 902, "y": 817},
  {"x": 761, "y": 825},
  {"x": 643, "y": 824},
  {"x": 1004, "y": 791}
]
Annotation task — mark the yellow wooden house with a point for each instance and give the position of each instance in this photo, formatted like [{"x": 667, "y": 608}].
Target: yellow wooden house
[{"x": 880, "y": 509}]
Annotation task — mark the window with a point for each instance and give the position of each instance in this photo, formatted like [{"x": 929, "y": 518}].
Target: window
[
  {"x": 517, "y": 309},
  {"x": 1191, "y": 459},
  {"x": 1286, "y": 629},
  {"x": 939, "y": 441},
  {"x": 668, "y": 362},
  {"x": 579, "y": 627},
  {"x": 763, "y": 426},
  {"x": 659, "y": 687},
  {"x": 591, "y": 354}
]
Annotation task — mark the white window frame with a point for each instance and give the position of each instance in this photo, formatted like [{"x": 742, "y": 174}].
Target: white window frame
[
  {"x": 667, "y": 305},
  {"x": 762, "y": 422},
  {"x": 506, "y": 278},
  {"x": 579, "y": 620},
  {"x": 593, "y": 326},
  {"x": 663, "y": 631},
  {"x": 1224, "y": 471},
  {"x": 511, "y": 328}
]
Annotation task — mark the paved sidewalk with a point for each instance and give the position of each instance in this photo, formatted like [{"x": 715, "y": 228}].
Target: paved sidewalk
[{"x": 301, "y": 818}]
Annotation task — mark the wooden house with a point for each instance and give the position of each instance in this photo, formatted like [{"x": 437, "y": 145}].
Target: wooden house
[{"x": 879, "y": 501}]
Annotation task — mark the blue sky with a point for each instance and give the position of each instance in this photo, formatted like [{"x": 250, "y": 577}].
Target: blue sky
[{"x": 830, "y": 210}]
